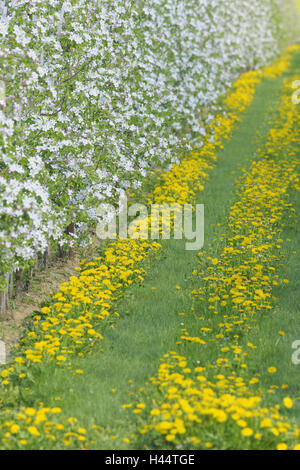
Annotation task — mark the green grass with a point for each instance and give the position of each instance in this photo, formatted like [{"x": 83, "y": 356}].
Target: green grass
[
  {"x": 149, "y": 323},
  {"x": 276, "y": 350}
]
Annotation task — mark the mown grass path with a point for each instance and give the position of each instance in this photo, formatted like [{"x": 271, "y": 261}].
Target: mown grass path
[{"x": 150, "y": 321}]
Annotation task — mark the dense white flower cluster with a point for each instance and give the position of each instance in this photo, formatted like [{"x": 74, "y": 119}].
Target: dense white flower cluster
[{"x": 95, "y": 93}]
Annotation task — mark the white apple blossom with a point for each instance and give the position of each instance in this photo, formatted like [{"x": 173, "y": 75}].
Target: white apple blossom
[{"x": 99, "y": 92}]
